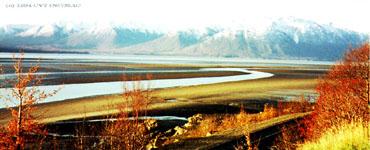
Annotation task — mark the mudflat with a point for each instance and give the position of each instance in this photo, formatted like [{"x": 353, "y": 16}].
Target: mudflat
[{"x": 184, "y": 101}]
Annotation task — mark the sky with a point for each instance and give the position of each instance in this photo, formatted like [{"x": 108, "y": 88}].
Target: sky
[{"x": 183, "y": 14}]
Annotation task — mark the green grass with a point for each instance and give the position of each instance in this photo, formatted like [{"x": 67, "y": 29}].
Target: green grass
[{"x": 353, "y": 136}]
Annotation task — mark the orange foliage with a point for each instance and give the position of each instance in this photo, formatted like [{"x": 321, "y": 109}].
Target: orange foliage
[
  {"x": 290, "y": 136},
  {"x": 24, "y": 95},
  {"x": 126, "y": 132},
  {"x": 297, "y": 105},
  {"x": 215, "y": 123},
  {"x": 344, "y": 93}
]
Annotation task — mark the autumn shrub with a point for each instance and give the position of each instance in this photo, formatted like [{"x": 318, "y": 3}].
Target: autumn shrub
[
  {"x": 23, "y": 126},
  {"x": 296, "y": 105},
  {"x": 343, "y": 93},
  {"x": 210, "y": 124},
  {"x": 129, "y": 131},
  {"x": 290, "y": 134},
  {"x": 207, "y": 125}
]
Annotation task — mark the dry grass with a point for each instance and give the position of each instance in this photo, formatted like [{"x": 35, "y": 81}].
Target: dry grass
[
  {"x": 210, "y": 124},
  {"x": 354, "y": 135},
  {"x": 206, "y": 125}
]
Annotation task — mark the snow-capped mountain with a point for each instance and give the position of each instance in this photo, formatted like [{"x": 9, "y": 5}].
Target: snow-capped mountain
[{"x": 284, "y": 38}]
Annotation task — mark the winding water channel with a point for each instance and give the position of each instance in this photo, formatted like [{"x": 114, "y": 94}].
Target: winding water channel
[{"x": 70, "y": 91}]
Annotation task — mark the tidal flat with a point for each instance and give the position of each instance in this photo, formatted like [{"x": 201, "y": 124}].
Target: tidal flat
[{"x": 288, "y": 80}]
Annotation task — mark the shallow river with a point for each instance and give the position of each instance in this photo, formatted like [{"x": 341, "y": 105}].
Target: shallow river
[{"x": 69, "y": 91}]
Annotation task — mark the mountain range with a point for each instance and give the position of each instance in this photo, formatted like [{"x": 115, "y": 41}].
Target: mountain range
[{"x": 283, "y": 39}]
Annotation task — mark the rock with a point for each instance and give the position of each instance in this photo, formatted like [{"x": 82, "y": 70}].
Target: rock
[
  {"x": 179, "y": 131},
  {"x": 176, "y": 140},
  {"x": 153, "y": 143},
  {"x": 210, "y": 133},
  {"x": 150, "y": 124},
  {"x": 169, "y": 132},
  {"x": 194, "y": 121},
  {"x": 150, "y": 146},
  {"x": 196, "y": 118}
]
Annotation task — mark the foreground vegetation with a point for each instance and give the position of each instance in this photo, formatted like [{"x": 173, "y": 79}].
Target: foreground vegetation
[
  {"x": 205, "y": 125},
  {"x": 341, "y": 116},
  {"x": 24, "y": 95},
  {"x": 349, "y": 136},
  {"x": 343, "y": 93}
]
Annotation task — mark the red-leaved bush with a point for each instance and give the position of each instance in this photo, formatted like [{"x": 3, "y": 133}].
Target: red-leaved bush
[{"x": 343, "y": 93}]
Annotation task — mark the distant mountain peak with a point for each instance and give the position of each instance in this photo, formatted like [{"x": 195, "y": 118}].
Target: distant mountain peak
[
  {"x": 283, "y": 38},
  {"x": 38, "y": 31}
]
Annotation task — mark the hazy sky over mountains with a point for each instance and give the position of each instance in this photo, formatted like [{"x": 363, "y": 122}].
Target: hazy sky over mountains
[{"x": 183, "y": 14}]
